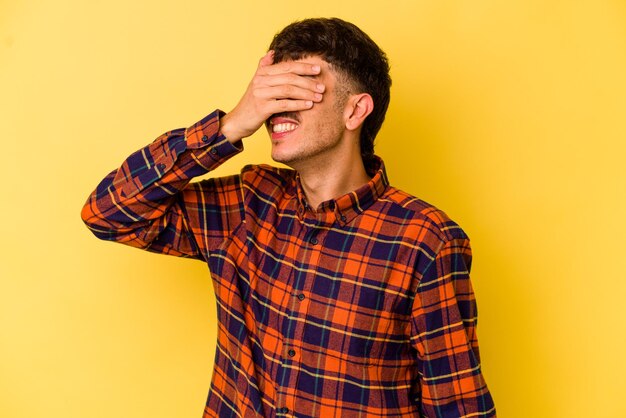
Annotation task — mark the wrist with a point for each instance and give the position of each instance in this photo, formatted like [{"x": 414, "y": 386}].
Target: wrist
[{"x": 228, "y": 130}]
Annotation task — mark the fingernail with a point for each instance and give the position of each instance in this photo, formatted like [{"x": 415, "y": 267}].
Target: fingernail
[
  {"x": 309, "y": 103},
  {"x": 318, "y": 96},
  {"x": 320, "y": 87},
  {"x": 316, "y": 68}
]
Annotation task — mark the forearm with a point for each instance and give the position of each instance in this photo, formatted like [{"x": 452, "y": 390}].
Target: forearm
[{"x": 135, "y": 203}]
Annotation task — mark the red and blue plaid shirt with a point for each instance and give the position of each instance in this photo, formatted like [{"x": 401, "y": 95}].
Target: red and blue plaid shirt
[{"x": 362, "y": 307}]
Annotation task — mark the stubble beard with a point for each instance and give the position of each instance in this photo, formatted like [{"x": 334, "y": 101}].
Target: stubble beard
[{"x": 312, "y": 150}]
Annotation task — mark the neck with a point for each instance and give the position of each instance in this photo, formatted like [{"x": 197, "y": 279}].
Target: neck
[{"x": 332, "y": 177}]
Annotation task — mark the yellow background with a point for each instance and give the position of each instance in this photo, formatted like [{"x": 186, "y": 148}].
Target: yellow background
[{"x": 509, "y": 115}]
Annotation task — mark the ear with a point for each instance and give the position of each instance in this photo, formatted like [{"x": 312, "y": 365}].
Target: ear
[{"x": 358, "y": 108}]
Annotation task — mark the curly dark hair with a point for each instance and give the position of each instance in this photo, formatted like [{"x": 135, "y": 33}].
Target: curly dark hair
[{"x": 352, "y": 54}]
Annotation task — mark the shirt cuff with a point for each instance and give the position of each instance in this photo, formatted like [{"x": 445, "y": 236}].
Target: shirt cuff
[{"x": 206, "y": 133}]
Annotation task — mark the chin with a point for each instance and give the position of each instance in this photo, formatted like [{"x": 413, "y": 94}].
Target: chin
[
  {"x": 282, "y": 159},
  {"x": 288, "y": 160}
]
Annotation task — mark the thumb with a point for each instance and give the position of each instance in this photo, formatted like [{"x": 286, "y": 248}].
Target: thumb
[{"x": 268, "y": 59}]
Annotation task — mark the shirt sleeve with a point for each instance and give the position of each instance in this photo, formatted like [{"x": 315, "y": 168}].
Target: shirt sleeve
[
  {"x": 443, "y": 332},
  {"x": 150, "y": 203}
]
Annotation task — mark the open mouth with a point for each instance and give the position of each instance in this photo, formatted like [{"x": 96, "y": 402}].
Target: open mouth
[{"x": 281, "y": 125}]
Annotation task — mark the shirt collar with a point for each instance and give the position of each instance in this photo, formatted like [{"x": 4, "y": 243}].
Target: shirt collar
[{"x": 344, "y": 209}]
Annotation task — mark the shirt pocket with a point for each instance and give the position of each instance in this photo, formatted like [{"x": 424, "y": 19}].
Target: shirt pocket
[{"x": 347, "y": 334}]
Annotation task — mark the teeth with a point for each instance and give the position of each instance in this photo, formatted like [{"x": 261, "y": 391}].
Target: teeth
[{"x": 284, "y": 127}]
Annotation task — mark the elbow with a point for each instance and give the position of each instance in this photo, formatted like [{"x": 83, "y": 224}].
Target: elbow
[
  {"x": 86, "y": 213},
  {"x": 107, "y": 228},
  {"x": 94, "y": 221}
]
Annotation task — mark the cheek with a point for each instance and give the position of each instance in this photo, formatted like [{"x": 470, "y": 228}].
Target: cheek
[{"x": 329, "y": 114}]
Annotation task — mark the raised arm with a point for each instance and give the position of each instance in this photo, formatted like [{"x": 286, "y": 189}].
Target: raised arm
[{"x": 149, "y": 201}]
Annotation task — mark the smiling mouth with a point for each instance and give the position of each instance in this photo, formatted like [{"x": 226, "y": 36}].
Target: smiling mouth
[
  {"x": 283, "y": 127},
  {"x": 283, "y": 123}
]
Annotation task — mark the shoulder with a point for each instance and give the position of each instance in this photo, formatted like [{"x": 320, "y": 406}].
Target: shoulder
[
  {"x": 423, "y": 217},
  {"x": 266, "y": 179}
]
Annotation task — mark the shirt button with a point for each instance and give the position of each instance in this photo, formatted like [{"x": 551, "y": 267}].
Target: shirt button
[
  {"x": 213, "y": 151},
  {"x": 283, "y": 410},
  {"x": 205, "y": 138},
  {"x": 343, "y": 218},
  {"x": 291, "y": 352},
  {"x": 313, "y": 241},
  {"x": 301, "y": 296},
  {"x": 161, "y": 166}
]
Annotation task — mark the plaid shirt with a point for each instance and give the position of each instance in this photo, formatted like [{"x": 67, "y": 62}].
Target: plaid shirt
[{"x": 361, "y": 308}]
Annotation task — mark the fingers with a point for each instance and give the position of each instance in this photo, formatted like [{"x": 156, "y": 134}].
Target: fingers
[
  {"x": 287, "y": 92},
  {"x": 288, "y": 86},
  {"x": 288, "y": 105},
  {"x": 294, "y": 67},
  {"x": 284, "y": 81},
  {"x": 293, "y": 80}
]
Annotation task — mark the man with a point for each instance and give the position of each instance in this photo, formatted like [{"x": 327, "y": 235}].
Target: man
[{"x": 338, "y": 295}]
